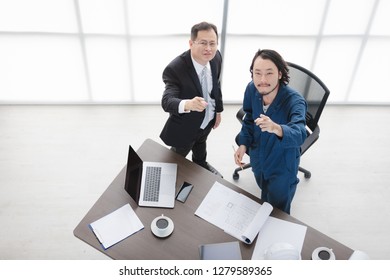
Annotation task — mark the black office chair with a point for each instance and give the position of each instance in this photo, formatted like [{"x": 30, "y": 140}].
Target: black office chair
[{"x": 316, "y": 95}]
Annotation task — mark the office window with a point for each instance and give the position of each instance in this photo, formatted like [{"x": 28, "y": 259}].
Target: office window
[
  {"x": 102, "y": 16},
  {"x": 41, "y": 69},
  {"x": 348, "y": 17},
  {"x": 275, "y": 18},
  {"x": 335, "y": 64},
  {"x": 369, "y": 85},
  {"x": 171, "y": 17},
  {"x": 380, "y": 25},
  {"x": 109, "y": 71},
  {"x": 37, "y": 16},
  {"x": 114, "y": 51}
]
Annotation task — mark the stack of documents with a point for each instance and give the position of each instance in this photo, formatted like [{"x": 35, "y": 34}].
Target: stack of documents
[{"x": 244, "y": 218}]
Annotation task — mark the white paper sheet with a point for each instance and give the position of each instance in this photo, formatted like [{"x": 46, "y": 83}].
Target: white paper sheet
[
  {"x": 116, "y": 226},
  {"x": 278, "y": 231},
  {"x": 259, "y": 220}
]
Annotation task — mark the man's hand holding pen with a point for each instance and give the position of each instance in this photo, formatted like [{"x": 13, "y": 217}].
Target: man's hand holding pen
[{"x": 239, "y": 154}]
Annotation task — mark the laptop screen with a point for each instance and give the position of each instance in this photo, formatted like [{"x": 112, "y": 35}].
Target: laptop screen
[{"x": 133, "y": 175}]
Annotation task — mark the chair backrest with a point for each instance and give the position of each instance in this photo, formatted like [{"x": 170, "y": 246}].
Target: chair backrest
[{"x": 312, "y": 89}]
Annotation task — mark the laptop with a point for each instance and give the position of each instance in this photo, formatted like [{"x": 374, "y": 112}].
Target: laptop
[{"x": 150, "y": 184}]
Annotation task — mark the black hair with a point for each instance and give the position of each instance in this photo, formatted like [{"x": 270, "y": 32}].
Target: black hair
[
  {"x": 277, "y": 59},
  {"x": 200, "y": 27}
]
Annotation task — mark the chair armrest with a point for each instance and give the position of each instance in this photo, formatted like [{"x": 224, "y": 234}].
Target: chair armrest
[
  {"x": 240, "y": 115},
  {"x": 310, "y": 140}
]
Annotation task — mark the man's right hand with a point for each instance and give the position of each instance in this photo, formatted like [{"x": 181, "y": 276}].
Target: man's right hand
[{"x": 195, "y": 104}]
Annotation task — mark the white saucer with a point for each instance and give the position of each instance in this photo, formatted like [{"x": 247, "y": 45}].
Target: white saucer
[
  {"x": 162, "y": 226},
  {"x": 323, "y": 253}
]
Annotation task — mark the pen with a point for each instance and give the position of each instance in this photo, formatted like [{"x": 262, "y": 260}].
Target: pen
[{"x": 235, "y": 154}]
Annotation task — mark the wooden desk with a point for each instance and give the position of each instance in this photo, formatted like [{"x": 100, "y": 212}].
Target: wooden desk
[{"x": 190, "y": 231}]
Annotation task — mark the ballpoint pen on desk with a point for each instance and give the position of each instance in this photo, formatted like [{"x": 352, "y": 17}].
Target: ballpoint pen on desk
[{"x": 235, "y": 155}]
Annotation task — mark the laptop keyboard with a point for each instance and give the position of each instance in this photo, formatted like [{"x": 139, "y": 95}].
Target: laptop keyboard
[{"x": 152, "y": 183}]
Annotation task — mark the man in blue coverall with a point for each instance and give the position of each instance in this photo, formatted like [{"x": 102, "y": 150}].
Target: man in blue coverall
[{"x": 273, "y": 129}]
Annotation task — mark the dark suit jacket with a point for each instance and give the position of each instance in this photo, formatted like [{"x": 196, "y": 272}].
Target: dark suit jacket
[{"x": 182, "y": 82}]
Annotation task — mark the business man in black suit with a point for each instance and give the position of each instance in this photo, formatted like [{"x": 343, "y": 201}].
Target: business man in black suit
[{"x": 192, "y": 95}]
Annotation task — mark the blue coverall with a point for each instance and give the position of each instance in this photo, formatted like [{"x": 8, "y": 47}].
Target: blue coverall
[{"x": 275, "y": 160}]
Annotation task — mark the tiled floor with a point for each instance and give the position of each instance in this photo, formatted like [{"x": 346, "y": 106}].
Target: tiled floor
[{"x": 55, "y": 162}]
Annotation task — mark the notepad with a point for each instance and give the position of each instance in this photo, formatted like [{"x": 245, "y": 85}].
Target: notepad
[
  {"x": 220, "y": 251},
  {"x": 116, "y": 226}
]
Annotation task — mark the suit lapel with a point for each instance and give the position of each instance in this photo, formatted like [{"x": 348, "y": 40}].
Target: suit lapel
[
  {"x": 214, "y": 77},
  {"x": 192, "y": 72}
]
